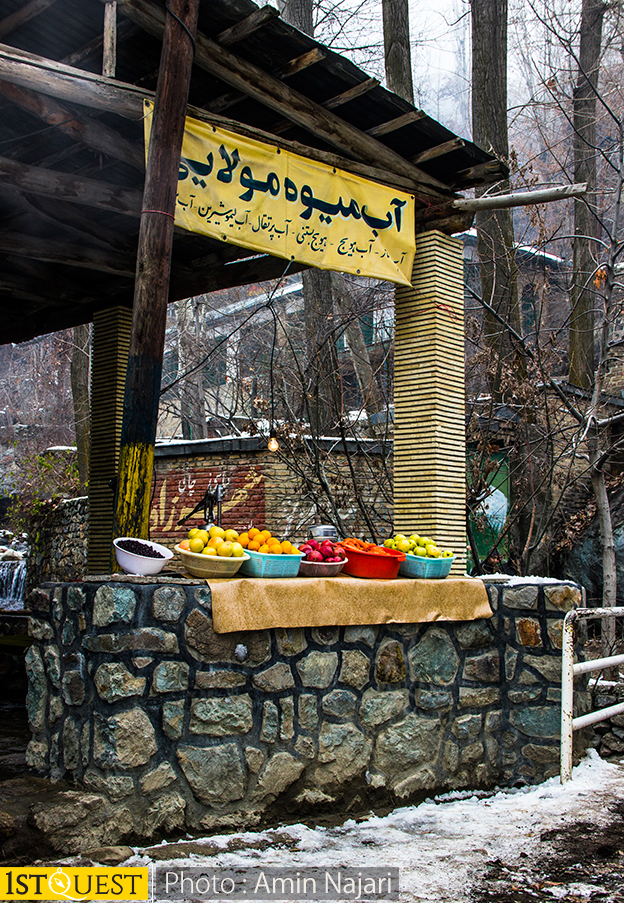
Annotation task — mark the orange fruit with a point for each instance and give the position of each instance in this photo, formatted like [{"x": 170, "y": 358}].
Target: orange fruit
[
  {"x": 264, "y": 549},
  {"x": 286, "y": 547},
  {"x": 215, "y": 541},
  {"x": 185, "y": 545},
  {"x": 264, "y": 534},
  {"x": 244, "y": 539},
  {"x": 253, "y": 532},
  {"x": 254, "y": 545},
  {"x": 275, "y": 549}
]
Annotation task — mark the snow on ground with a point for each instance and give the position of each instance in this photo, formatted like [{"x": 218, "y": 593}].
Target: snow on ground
[{"x": 441, "y": 846}]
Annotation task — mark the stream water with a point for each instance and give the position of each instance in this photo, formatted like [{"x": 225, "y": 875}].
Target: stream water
[{"x": 12, "y": 583}]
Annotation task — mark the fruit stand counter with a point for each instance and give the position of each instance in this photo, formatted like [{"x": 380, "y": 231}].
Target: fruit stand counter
[{"x": 247, "y": 604}]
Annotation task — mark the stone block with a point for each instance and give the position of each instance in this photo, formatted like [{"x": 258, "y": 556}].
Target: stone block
[
  {"x": 126, "y": 739},
  {"x": 270, "y": 722},
  {"x": 493, "y": 721},
  {"x": 158, "y": 778},
  {"x": 340, "y": 704},
  {"x": 170, "y": 677},
  {"x": 433, "y": 700},
  {"x": 203, "y": 596},
  {"x": 68, "y": 633},
  {"x": 478, "y": 696},
  {"x": 525, "y": 597},
  {"x": 280, "y": 772},
  {"x": 290, "y": 640},
  {"x": 450, "y": 756},
  {"x": 52, "y": 659},
  {"x": 390, "y": 667},
  {"x": 39, "y": 630},
  {"x": 474, "y": 634},
  {"x": 168, "y": 603},
  {"x": 113, "y": 681},
  {"x": 216, "y": 773},
  {"x": 472, "y": 753},
  {"x": 144, "y": 639},
  {"x": 511, "y": 658},
  {"x": 492, "y": 593},
  {"x": 467, "y": 727},
  {"x": 38, "y": 600},
  {"x": 308, "y": 713},
  {"x": 562, "y": 598},
  {"x": 254, "y": 758},
  {"x": 278, "y": 677},
  {"x": 540, "y": 721},
  {"x": 73, "y": 688},
  {"x": 482, "y": 668},
  {"x": 317, "y": 669},
  {"x": 549, "y": 666},
  {"x": 219, "y": 717},
  {"x": 142, "y": 661},
  {"x": 379, "y": 706},
  {"x": 305, "y": 747},
  {"x": 325, "y": 636},
  {"x": 71, "y": 745},
  {"x": 287, "y": 720},
  {"x": 528, "y": 632},
  {"x": 113, "y": 604},
  {"x": 36, "y": 754},
  {"x": 76, "y": 598},
  {"x": 518, "y": 697},
  {"x": 37, "y": 695},
  {"x": 555, "y": 632},
  {"x": 355, "y": 670},
  {"x": 165, "y": 814},
  {"x": 344, "y": 753},
  {"x": 55, "y": 709},
  {"x": 366, "y": 635},
  {"x": 116, "y": 787},
  {"x": 541, "y": 755},
  {"x": 404, "y": 748},
  {"x": 207, "y": 646},
  {"x": 173, "y": 719},
  {"x": 434, "y": 659},
  {"x": 219, "y": 680}
]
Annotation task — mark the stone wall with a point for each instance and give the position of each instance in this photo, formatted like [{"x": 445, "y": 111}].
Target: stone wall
[
  {"x": 166, "y": 726},
  {"x": 58, "y": 547}
]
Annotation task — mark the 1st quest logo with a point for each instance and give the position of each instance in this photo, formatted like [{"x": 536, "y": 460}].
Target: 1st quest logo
[{"x": 33, "y": 883}]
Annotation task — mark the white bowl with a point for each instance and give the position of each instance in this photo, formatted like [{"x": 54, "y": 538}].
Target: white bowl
[{"x": 141, "y": 565}]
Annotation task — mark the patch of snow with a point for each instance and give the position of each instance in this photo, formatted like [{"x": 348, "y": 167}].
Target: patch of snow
[
  {"x": 442, "y": 846},
  {"x": 512, "y": 580}
]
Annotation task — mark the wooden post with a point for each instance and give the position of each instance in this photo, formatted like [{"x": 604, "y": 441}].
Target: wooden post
[
  {"x": 136, "y": 458},
  {"x": 109, "y": 43},
  {"x": 429, "y": 398}
]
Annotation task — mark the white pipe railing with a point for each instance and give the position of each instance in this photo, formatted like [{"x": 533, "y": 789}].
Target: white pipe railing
[{"x": 569, "y": 670}]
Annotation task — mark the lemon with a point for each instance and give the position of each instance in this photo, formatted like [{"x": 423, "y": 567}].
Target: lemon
[
  {"x": 203, "y": 535},
  {"x": 389, "y": 544},
  {"x": 196, "y": 544},
  {"x": 208, "y": 550},
  {"x": 216, "y": 531},
  {"x": 421, "y": 551},
  {"x": 432, "y": 551},
  {"x": 231, "y": 535},
  {"x": 193, "y": 533},
  {"x": 237, "y": 550},
  {"x": 225, "y": 550}
]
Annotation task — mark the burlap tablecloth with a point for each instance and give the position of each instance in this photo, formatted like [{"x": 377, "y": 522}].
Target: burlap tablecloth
[{"x": 245, "y": 603}]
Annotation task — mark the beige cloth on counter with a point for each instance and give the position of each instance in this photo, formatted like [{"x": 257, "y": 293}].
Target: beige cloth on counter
[{"x": 246, "y": 603}]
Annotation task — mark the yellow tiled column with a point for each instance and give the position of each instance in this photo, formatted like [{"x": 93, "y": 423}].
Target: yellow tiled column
[{"x": 429, "y": 398}]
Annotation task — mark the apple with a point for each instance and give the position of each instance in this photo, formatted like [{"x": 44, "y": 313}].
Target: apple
[
  {"x": 305, "y": 548},
  {"x": 314, "y": 555},
  {"x": 314, "y": 545}
]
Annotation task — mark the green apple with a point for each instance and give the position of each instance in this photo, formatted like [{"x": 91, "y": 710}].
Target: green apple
[
  {"x": 432, "y": 551},
  {"x": 399, "y": 537},
  {"x": 421, "y": 541},
  {"x": 389, "y": 544},
  {"x": 447, "y": 553},
  {"x": 403, "y": 545},
  {"x": 420, "y": 551}
]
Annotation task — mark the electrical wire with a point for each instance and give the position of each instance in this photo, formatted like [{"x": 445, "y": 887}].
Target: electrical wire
[{"x": 179, "y": 20}]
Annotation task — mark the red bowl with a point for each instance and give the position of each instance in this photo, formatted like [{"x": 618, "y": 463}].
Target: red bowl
[{"x": 375, "y": 566}]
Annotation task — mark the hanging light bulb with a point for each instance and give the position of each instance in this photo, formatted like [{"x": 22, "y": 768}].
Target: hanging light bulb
[{"x": 273, "y": 443}]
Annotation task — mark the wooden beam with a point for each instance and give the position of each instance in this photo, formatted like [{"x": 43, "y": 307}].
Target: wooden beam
[
  {"x": 299, "y": 63},
  {"x": 481, "y": 174},
  {"x": 273, "y": 93},
  {"x": 393, "y": 125},
  {"x": 127, "y": 100},
  {"x": 224, "y": 101},
  {"x": 125, "y": 29},
  {"x": 59, "y": 185},
  {"x": 350, "y": 94},
  {"x": 243, "y": 272},
  {"x": 70, "y": 255},
  {"x": 21, "y": 16},
  {"x": 79, "y": 127},
  {"x": 153, "y": 271},
  {"x": 521, "y": 198},
  {"x": 247, "y": 26},
  {"x": 109, "y": 39},
  {"x": 447, "y": 147}
]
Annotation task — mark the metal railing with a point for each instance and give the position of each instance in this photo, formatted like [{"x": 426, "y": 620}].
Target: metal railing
[{"x": 568, "y": 672}]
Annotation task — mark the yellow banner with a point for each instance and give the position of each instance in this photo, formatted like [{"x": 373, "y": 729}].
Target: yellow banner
[
  {"x": 89, "y": 883},
  {"x": 273, "y": 201}
]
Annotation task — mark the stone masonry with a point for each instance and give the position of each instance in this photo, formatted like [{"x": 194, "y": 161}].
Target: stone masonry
[{"x": 165, "y": 726}]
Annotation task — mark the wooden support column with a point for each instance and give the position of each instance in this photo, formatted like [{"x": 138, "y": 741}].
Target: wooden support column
[
  {"x": 429, "y": 398},
  {"x": 109, "y": 361},
  {"x": 151, "y": 291}
]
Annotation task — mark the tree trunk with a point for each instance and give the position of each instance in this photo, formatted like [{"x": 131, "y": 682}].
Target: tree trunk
[
  {"x": 609, "y": 572},
  {"x": 586, "y": 224},
  {"x": 191, "y": 390},
  {"x": 397, "y": 55},
  {"x": 298, "y": 13},
  {"x": 322, "y": 379},
  {"x": 79, "y": 375}
]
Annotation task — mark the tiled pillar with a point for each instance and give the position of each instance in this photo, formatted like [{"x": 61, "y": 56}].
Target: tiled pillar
[{"x": 429, "y": 398}]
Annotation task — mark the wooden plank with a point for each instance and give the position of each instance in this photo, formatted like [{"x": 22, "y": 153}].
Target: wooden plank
[
  {"x": 447, "y": 147},
  {"x": 153, "y": 271},
  {"x": 481, "y": 174},
  {"x": 300, "y": 63},
  {"x": 93, "y": 49},
  {"x": 301, "y": 110},
  {"x": 240, "y": 31},
  {"x": 70, "y": 255},
  {"x": 52, "y": 184},
  {"x": 393, "y": 125},
  {"x": 338, "y": 100},
  {"x": 27, "y": 12},
  {"x": 109, "y": 39}
]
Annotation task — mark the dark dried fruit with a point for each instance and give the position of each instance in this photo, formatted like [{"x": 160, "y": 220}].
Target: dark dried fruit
[{"x": 139, "y": 548}]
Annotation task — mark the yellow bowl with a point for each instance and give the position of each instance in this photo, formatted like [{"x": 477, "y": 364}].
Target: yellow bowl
[{"x": 206, "y": 566}]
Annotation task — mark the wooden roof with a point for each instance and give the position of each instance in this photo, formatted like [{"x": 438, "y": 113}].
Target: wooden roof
[{"x": 72, "y": 157}]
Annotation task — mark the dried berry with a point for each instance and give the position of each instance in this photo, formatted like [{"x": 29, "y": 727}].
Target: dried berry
[{"x": 139, "y": 548}]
